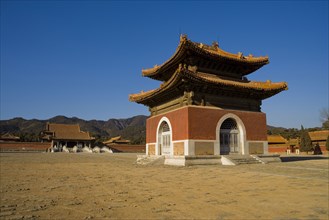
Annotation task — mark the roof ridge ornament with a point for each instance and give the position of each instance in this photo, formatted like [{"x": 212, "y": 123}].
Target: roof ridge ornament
[
  {"x": 192, "y": 68},
  {"x": 182, "y": 66},
  {"x": 183, "y": 37},
  {"x": 215, "y": 44}
]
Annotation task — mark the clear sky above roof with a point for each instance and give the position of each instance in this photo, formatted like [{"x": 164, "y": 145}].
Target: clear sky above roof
[{"x": 83, "y": 58}]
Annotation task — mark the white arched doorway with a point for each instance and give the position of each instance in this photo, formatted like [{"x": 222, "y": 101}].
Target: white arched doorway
[
  {"x": 229, "y": 137},
  {"x": 230, "y": 134},
  {"x": 164, "y": 137}
]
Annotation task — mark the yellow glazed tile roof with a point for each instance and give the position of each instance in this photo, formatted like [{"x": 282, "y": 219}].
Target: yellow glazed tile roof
[
  {"x": 263, "y": 89},
  {"x": 203, "y": 49},
  {"x": 68, "y": 132},
  {"x": 319, "y": 135},
  {"x": 276, "y": 139}
]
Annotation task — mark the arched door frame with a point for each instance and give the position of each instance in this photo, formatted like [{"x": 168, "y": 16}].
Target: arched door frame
[
  {"x": 157, "y": 149},
  {"x": 241, "y": 128}
]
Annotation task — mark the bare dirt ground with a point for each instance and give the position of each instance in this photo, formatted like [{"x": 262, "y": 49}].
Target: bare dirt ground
[{"x": 112, "y": 186}]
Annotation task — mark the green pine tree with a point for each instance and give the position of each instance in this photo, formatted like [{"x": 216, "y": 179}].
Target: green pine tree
[{"x": 305, "y": 141}]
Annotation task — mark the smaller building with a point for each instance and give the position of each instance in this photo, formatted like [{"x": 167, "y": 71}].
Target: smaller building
[
  {"x": 9, "y": 138},
  {"x": 319, "y": 137},
  {"x": 68, "y": 135},
  {"x": 118, "y": 144},
  {"x": 278, "y": 144},
  {"x": 116, "y": 140}
]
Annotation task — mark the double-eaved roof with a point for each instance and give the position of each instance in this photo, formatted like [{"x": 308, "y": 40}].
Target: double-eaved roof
[{"x": 208, "y": 69}]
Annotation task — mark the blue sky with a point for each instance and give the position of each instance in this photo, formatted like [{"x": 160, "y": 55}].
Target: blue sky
[{"x": 83, "y": 58}]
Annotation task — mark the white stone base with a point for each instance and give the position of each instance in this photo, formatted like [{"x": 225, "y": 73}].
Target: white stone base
[
  {"x": 268, "y": 158},
  {"x": 226, "y": 161},
  {"x": 175, "y": 160},
  {"x": 193, "y": 160},
  {"x": 199, "y": 160}
]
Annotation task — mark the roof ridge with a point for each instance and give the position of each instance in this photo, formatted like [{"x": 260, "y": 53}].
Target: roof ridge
[{"x": 213, "y": 51}]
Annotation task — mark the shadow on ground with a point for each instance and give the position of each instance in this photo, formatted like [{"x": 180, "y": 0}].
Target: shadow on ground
[{"x": 301, "y": 158}]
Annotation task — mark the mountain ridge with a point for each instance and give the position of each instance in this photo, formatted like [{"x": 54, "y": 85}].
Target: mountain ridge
[{"x": 132, "y": 128}]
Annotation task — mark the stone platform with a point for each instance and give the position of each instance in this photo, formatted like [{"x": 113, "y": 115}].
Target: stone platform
[{"x": 207, "y": 160}]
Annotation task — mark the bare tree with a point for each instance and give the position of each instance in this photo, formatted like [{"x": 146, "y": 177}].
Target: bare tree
[{"x": 324, "y": 117}]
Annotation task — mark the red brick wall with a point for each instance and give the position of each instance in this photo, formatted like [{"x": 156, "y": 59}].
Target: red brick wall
[
  {"x": 128, "y": 148},
  {"x": 178, "y": 120},
  {"x": 281, "y": 149},
  {"x": 255, "y": 123},
  {"x": 202, "y": 123},
  {"x": 24, "y": 146},
  {"x": 323, "y": 149}
]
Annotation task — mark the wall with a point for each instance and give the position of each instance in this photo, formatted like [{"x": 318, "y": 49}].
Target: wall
[
  {"x": 178, "y": 120},
  {"x": 24, "y": 146},
  {"x": 200, "y": 123},
  {"x": 203, "y": 123},
  {"x": 127, "y": 148}
]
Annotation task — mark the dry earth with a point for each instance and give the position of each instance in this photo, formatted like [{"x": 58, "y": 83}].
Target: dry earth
[{"x": 112, "y": 186}]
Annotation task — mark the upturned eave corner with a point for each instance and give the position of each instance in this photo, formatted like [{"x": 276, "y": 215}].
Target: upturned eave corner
[
  {"x": 286, "y": 86},
  {"x": 212, "y": 52},
  {"x": 184, "y": 73}
]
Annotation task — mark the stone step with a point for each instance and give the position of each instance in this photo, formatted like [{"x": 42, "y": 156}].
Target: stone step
[
  {"x": 144, "y": 160},
  {"x": 242, "y": 159},
  {"x": 247, "y": 161}
]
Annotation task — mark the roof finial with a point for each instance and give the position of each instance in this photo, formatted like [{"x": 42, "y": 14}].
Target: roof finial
[
  {"x": 183, "y": 37},
  {"x": 215, "y": 44}
]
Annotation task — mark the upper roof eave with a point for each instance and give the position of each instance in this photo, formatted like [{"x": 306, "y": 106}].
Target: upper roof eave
[{"x": 213, "y": 51}]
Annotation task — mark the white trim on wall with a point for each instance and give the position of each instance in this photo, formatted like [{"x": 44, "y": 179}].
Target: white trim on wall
[
  {"x": 241, "y": 128},
  {"x": 163, "y": 119}
]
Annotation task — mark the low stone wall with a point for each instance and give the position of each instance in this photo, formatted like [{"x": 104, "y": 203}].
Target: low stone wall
[
  {"x": 127, "y": 148},
  {"x": 277, "y": 149},
  {"x": 24, "y": 146},
  {"x": 283, "y": 150}
]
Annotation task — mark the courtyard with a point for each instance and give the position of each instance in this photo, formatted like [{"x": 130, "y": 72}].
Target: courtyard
[{"x": 113, "y": 186}]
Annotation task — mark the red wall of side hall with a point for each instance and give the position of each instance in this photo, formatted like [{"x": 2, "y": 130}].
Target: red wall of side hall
[{"x": 200, "y": 123}]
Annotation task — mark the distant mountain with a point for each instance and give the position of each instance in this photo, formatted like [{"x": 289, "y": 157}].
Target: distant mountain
[
  {"x": 269, "y": 127},
  {"x": 131, "y": 128}
]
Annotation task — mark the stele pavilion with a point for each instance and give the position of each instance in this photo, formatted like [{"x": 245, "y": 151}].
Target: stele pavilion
[{"x": 205, "y": 104}]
